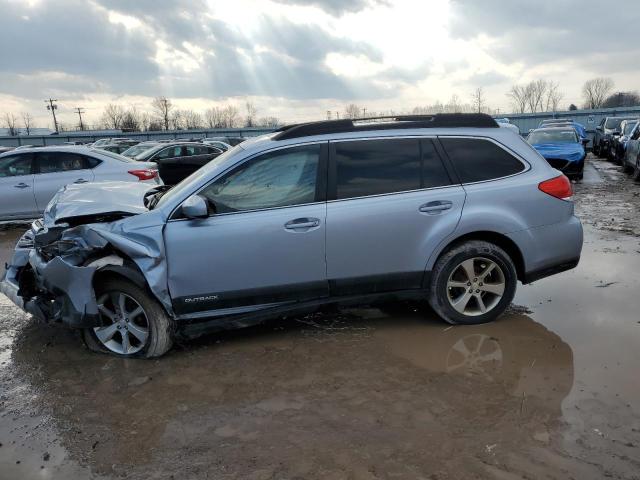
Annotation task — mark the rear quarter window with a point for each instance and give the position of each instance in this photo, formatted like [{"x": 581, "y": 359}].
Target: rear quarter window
[{"x": 477, "y": 160}]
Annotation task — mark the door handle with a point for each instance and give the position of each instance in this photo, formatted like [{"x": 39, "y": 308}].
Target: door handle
[
  {"x": 436, "y": 206},
  {"x": 22, "y": 185},
  {"x": 300, "y": 223},
  {"x": 81, "y": 180}
]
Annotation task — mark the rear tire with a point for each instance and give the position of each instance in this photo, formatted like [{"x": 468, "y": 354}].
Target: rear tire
[
  {"x": 462, "y": 292},
  {"x": 148, "y": 333}
]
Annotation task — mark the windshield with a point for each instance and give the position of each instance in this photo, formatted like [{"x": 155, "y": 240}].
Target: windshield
[
  {"x": 138, "y": 149},
  {"x": 149, "y": 150},
  {"x": 628, "y": 127},
  {"x": 614, "y": 123},
  {"x": 552, "y": 136},
  {"x": 115, "y": 156},
  {"x": 202, "y": 172}
]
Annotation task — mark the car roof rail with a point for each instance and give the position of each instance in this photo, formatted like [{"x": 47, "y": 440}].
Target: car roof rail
[{"x": 394, "y": 122}]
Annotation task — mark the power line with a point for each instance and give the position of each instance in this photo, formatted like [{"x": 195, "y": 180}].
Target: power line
[
  {"x": 80, "y": 111},
  {"x": 53, "y": 107}
]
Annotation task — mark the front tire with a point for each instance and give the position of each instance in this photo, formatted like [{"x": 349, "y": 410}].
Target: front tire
[
  {"x": 474, "y": 282},
  {"x": 135, "y": 324}
]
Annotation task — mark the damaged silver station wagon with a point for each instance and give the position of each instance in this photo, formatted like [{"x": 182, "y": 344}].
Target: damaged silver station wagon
[{"x": 445, "y": 208}]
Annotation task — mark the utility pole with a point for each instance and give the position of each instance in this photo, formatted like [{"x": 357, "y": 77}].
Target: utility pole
[
  {"x": 364, "y": 112},
  {"x": 80, "y": 111},
  {"x": 53, "y": 107},
  {"x": 338, "y": 115}
]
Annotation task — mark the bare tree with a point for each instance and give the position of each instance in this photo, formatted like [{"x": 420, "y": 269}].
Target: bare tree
[
  {"x": 554, "y": 97},
  {"x": 214, "y": 117},
  {"x": 131, "y": 120},
  {"x": 112, "y": 116},
  {"x": 10, "y": 122},
  {"x": 176, "y": 120},
  {"x": 27, "y": 121},
  {"x": 518, "y": 95},
  {"x": 162, "y": 107},
  {"x": 145, "y": 122},
  {"x": 352, "y": 111},
  {"x": 269, "y": 122},
  {"x": 477, "y": 100},
  {"x": 595, "y": 91},
  {"x": 250, "y": 120},
  {"x": 231, "y": 117},
  {"x": 192, "y": 120}
]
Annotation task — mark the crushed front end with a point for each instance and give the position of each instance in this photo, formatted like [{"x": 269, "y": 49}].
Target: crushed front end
[
  {"x": 86, "y": 229},
  {"x": 51, "y": 277}
]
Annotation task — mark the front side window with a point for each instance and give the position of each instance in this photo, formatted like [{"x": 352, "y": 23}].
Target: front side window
[
  {"x": 476, "y": 160},
  {"x": 51, "y": 162},
  {"x": 282, "y": 178},
  {"x": 15, "y": 165},
  {"x": 374, "y": 167}
]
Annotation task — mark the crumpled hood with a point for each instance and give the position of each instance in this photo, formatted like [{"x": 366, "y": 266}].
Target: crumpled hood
[
  {"x": 572, "y": 152},
  {"x": 95, "y": 199}
]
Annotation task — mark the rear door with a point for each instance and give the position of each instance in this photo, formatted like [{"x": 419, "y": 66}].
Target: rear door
[
  {"x": 391, "y": 202},
  {"x": 16, "y": 187},
  {"x": 54, "y": 170}
]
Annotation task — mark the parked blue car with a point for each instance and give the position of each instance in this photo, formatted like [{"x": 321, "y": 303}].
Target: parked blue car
[{"x": 562, "y": 148}]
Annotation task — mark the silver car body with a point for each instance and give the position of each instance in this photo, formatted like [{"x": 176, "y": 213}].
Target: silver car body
[
  {"x": 254, "y": 261},
  {"x": 25, "y": 196}
]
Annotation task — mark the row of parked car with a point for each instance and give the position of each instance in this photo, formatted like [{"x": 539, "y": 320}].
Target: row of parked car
[
  {"x": 618, "y": 139},
  {"x": 30, "y": 175}
]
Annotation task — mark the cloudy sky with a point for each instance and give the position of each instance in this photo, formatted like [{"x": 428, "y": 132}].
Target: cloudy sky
[{"x": 296, "y": 59}]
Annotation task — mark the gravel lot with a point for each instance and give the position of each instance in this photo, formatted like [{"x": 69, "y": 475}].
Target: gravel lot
[{"x": 551, "y": 390}]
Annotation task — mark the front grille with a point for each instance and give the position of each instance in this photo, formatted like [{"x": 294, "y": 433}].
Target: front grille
[{"x": 558, "y": 163}]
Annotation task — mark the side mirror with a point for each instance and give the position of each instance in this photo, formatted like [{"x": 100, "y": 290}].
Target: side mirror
[
  {"x": 195, "y": 207},
  {"x": 599, "y": 128},
  {"x": 585, "y": 142}
]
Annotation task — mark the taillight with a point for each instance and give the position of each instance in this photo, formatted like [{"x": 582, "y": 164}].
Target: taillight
[
  {"x": 559, "y": 187},
  {"x": 144, "y": 174}
]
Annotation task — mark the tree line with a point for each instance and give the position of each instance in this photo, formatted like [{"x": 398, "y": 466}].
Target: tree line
[{"x": 533, "y": 97}]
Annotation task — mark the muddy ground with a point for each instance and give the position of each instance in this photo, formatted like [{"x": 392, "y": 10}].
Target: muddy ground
[{"x": 551, "y": 390}]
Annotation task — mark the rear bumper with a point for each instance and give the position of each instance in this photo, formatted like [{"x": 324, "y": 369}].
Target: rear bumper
[{"x": 549, "y": 249}]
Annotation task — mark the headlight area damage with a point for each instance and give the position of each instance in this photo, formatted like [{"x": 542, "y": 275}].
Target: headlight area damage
[{"x": 87, "y": 230}]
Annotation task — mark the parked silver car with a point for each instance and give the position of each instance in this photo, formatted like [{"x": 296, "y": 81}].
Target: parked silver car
[
  {"x": 631, "y": 157},
  {"x": 448, "y": 208},
  {"x": 30, "y": 177}
]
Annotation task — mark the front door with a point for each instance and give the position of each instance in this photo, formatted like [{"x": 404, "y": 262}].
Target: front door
[
  {"x": 391, "y": 202},
  {"x": 54, "y": 170},
  {"x": 264, "y": 243},
  {"x": 16, "y": 187}
]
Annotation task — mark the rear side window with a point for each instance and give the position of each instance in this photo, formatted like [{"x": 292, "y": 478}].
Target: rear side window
[
  {"x": 373, "y": 167},
  {"x": 476, "y": 160}
]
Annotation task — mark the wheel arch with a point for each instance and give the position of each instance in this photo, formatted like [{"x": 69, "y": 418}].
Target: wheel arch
[{"x": 501, "y": 240}]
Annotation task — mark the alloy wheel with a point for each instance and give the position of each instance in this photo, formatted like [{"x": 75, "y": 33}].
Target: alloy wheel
[
  {"x": 126, "y": 327},
  {"x": 476, "y": 286}
]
